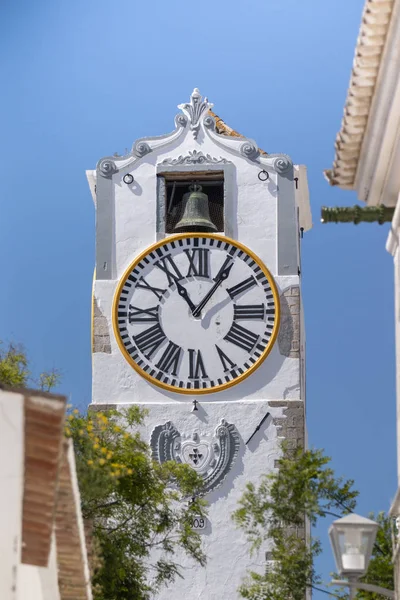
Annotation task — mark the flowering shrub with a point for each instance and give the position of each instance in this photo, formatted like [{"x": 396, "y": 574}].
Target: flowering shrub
[{"x": 138, "y": 509}]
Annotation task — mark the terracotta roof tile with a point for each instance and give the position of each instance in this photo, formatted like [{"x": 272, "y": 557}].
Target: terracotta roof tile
[
  {"x": 73, "y": 571},
  {"x": 369, "y": 50},
  {"x": 44, "y": 420},
  {"x": 223, "y": 129}
]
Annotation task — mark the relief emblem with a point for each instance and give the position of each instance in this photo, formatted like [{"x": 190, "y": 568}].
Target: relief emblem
[{"x": 211, "y": 456}]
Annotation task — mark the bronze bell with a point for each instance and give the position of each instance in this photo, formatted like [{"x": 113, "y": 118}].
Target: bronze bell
[{"x": 196, "y": 216}]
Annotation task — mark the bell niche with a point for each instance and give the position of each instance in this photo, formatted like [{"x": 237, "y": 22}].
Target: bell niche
[{"x": 194, "y": 202}]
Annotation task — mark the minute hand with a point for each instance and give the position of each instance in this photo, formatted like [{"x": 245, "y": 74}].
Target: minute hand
[{"x": 222, "y": 275}]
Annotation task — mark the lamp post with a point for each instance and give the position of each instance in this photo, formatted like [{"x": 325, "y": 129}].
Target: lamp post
[{"x": 352, "y": 539}]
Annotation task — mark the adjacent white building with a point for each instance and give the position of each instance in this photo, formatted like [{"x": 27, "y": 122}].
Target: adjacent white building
[
  {"x": 367, "y": 157},
  {"x": 42, "y": 542}
]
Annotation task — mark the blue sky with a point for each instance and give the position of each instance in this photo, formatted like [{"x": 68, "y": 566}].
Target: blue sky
[{"x": 82, "y": 80}]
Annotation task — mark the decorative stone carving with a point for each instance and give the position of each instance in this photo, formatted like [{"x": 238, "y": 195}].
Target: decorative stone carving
[
  {"x": 209, "y": 122},
  {"x": 195, "y": 109},
  {"x": 194, "y": 157},
  {"x": 212, "y": 457},
  {"x": 180, "y": 120},
  {"x": 249, "y": 149},
  {"x": 107, "y": 168},
  {"x": 282, "y": 164},
  {"x": 141, "y": 149}
]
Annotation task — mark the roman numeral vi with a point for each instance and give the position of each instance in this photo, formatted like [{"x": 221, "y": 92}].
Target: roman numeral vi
[{"x": 196, "y": 365}]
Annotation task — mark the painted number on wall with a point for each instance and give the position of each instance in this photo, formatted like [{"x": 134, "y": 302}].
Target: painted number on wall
[{"x": 198, "y": 523}]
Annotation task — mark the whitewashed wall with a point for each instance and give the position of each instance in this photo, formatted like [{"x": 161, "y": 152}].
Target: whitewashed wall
[{"x": 260, "y": 215}]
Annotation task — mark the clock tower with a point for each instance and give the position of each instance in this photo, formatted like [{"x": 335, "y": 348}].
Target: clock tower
[{"x": 197, "y": 313}]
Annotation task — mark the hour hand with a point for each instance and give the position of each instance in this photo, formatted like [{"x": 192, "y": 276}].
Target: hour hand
[
  {"x": 182, "y": 291},
  {"x": 222, "y": 275}
]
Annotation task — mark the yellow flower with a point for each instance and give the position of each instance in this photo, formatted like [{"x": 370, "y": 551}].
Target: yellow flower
[
  {"x": 104, "y": 450},
  {"x": 129, "y": 472},
  {"x": 126, "y": 436},
  {"x": 117, "y": 428},
  {"x": 102, "y": 461},
  {"x": 67, "y": 431},
  {"x": 89, "y": 427},
  {"x": 71, "y": 417},
  {"x": 81, "y": 432},
  {"x": 75, "y": 411},
  {"x": 89, "y": 462},
  {"x": 109, "y": 455},
  {"x": 117, "y": 473},
  {"x": 95, "y": 446}
]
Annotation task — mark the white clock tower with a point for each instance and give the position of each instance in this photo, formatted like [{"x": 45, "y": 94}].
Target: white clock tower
[{"x": 197, "y": 313}]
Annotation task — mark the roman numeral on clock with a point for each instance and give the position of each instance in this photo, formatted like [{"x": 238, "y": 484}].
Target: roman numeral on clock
[
  {"x": 150, "y": 340},
  {"x": 142, "y": 283},
  {"x": 167, "y": 265},
  {"x": 243, "y": 286},
  {"x": 142, "y": 315},
  {"x": 196, "y": 365},
  {"x": 169, "y": 361},
  {"x": 242, "y": 337},
  {"x": 198, "y": 262},
  {"x": 248, "y": 311},
  {"x": 227, "y": 363}
]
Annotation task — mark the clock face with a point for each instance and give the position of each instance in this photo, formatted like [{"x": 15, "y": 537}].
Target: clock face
[{"x": 196, "y": 313}]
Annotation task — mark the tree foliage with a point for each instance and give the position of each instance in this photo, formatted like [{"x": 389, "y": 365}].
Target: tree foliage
[
  {"x": 14, "y": 370},
  {"x": 139, "y": 510},
  {"x": 280, "y": 511}
]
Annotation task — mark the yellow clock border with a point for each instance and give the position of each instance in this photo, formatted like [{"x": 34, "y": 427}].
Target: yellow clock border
[{"x": 217, "y": 388}]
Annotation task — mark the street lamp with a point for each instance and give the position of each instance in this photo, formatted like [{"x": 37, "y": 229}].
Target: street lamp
[{"x": 352, "y": 539}]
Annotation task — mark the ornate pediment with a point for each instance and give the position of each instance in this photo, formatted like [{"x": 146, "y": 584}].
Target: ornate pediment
[{"x": 195, "y": 117}]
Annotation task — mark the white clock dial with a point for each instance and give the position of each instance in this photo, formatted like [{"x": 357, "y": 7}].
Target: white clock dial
[{"x": 196, "y": 313}]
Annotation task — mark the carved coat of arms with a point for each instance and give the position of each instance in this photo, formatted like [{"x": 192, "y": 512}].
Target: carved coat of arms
[{"x": 212, "y": 457}]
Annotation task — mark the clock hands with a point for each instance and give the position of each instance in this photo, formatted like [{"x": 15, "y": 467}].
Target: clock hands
[
  {"x": 265, "y": 417},
  {"x": 222, "y": 275},
  {"x": 184, "y": 294}
]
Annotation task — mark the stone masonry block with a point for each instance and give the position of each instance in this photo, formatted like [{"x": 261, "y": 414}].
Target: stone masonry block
[
  {"x": 101, "y": 334},
  {"x": 289, "y": 331}
]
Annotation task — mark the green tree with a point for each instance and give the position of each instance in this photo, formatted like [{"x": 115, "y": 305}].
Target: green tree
[
  {"x": 14, "y": 370},
  {"x": 140, "y": 511},
  {"x": 282, "y": 509}
]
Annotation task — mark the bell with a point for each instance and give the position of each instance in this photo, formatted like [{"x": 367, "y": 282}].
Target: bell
[{"x": 196, "y": 216}]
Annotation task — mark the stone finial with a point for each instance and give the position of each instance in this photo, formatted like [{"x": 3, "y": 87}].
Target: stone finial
[{"x": 195, "y": 110}]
